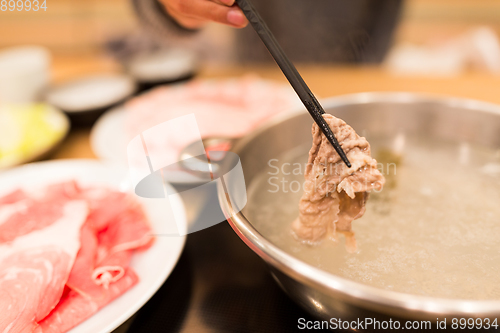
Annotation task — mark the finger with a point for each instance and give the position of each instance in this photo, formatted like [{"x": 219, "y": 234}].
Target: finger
[
  {"x": 208, "y": 10},
  {"x": 184, "y": 20},
  {"x": 237, "y": 18},
  {"x": 228, "y": 3}
]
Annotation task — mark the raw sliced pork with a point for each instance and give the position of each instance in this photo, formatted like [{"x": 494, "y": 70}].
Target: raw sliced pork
[
  {"x": 222, "y": 107},
  {"x": 34, "y": 268},
  {"x": 115, "y": 228},
  {"x": 22, "y": 213},
  {"x": 64, "y": 254}
]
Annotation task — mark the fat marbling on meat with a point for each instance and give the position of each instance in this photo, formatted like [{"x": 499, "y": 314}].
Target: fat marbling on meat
[
  {"x": 34, "y": 268},
  {"x": 65, "y": 253},
  {"x": 335, "y": 195}
]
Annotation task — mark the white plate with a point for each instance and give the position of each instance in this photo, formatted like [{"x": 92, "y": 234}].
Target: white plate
[
  {"x": 91, "y": 92},
  {"x": 109, "y": 142},
  {"x": 163, "y": 65},
  {"x": 153, "y": 266},
  {"x": 109, "y": 138}
]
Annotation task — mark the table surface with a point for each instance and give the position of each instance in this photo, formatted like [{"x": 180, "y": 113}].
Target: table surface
[{"x": 220, "y": 285}]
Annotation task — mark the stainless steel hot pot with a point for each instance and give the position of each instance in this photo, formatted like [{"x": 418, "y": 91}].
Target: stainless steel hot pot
[{"x": 329, "y": 296}]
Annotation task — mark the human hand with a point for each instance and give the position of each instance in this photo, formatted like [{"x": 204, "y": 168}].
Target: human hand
[{"x": 193, "y": 14}]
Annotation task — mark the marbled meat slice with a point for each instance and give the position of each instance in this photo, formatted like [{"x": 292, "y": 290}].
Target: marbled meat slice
[
  {"x": 35, "y": 267},
  {"x": 223, "y": 108},
  {"x": 335, "y": 195},
  {"x": 74, "y": 308},
  {"x": 12, "y": 197},
  {"x": 127, "y": 232},
  {"x": 22, "y": 213},
  {"x": 116, "y": 227}
]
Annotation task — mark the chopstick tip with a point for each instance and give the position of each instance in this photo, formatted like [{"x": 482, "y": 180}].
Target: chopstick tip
[
  {"x": 346, "y": 161},
  {"x": 343, "y": 156}
]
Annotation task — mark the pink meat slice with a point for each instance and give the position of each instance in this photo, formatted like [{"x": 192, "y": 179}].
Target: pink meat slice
[
  {"x": 68, "y": 189},
  {"x": 223, "y": 108},
  {"x": 18, "y": 289},
  {"x": 105, "y": 204},
  {"x": 12, "y": 197},
  {"x": 25, "y": 217},
  {"x": 82, "y": 297},
  {"x": 79, "y": 278},
  {"x": 128, "y": 231},
  {"x": 35, "y": 267},
  {"x": 115, "y": 228},
  {"x": 74, "y": 308},
  {"x": 22, "y": 213},
  {"x": 121, "y": 227}
]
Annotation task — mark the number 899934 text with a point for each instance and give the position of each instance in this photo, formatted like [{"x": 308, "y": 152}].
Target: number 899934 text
[{"x": 20, "y": 5}]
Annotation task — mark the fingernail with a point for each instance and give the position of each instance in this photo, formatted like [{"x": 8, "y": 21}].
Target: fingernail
[{"x": 236, "y": 17}]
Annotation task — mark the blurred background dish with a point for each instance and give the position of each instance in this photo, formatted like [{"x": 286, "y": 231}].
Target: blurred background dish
[
  {"x": 161, "y": 67},
  {"x": 29, "y": 132},
  {"x": 228, "y": 108},
  {"x": 153, "y": 265},
  {"x": 86, "y": 98},
  {"x": 24, "y": 72},
  {"x": 108, "y": 138}
]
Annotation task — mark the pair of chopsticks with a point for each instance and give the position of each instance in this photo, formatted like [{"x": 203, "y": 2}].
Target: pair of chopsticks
[{"x": 306, "y": 96}]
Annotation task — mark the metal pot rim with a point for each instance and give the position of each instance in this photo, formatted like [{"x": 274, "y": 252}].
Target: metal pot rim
[{"x": 354, "y": 292}]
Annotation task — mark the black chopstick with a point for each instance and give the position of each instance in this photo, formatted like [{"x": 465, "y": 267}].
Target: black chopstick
[{"x": 306, "y": 96}]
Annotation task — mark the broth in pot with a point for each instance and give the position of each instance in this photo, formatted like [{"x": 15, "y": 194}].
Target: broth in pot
[{"x": 433, "y": 230}]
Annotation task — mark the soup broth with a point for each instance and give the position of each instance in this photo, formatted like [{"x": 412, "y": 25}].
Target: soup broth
[{"x": 434, "y": 230}]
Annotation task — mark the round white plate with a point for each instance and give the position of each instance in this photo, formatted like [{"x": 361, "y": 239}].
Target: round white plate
[
  {"x": 91, "y": 92},
  {"x": 162, "y": 65},
  {"x": 109, "y": 142},
  {"x": 153, "y": 266},
  {"x": 109, "y": 136},
  {"x": 108, "y": 139}
]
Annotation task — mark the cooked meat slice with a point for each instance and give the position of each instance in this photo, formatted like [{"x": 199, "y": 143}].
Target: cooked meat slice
[{"x": 335, "y": 195}]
